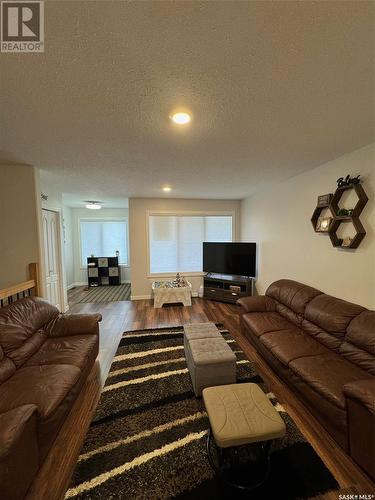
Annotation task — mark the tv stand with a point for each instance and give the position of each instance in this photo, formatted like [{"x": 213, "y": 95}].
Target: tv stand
[{"x": 226, "y": 287}]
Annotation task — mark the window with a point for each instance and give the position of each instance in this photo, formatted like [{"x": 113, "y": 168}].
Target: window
[
  {"x": 175, "y": 241},
  {"x": 103, "y": 238}
]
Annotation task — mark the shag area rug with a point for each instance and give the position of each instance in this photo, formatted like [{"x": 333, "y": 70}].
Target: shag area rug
[
  {"x": 148, "y": 437},
  {"x": 107, "y": 293}
]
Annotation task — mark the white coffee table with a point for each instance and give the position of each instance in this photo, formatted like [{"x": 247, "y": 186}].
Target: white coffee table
[{"x": 165, "y": 292}]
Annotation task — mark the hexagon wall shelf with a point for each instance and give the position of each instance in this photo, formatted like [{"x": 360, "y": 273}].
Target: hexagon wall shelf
[
  {"x": 360, "y": 205},
  {"x": 360, "y": 232}
]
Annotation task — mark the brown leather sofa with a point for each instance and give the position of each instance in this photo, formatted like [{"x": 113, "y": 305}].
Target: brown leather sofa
[
  {"x": 324, "y": 349},
  {"x": 45, "y": 358}
]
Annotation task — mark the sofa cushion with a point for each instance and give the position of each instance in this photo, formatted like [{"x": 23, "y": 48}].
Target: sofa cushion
[
  {"x": 51, "y": 388},
  {"x": 30, "y": 314},
  {"x": 77, "y": 350},
  {"x": 292, "y": 295},
  {"x": 327, "y": 339},
  {"x": 359, "y": 343},
  {"x": 21, "y": 325},
  {"x": 19, "y": 460},
  {"x": 327, "y": 318},
  {"x": 28, "y": 348},
  {"x": 261, "y": 323},
  {"x": 291, "y": 344},
  {"x": 327, "y": 374},
  {"x": 45, "y": 386}
]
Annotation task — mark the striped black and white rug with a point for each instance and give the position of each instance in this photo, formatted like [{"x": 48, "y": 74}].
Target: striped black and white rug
[
  {"x": 107, "y": 293},
  {"x": 147, "y": 439}
]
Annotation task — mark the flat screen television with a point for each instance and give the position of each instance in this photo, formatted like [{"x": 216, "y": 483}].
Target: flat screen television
[{"x": 230, "y": 258}]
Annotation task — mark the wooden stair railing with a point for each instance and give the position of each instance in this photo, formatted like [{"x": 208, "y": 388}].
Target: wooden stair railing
[{"x": 25, "y": 289}]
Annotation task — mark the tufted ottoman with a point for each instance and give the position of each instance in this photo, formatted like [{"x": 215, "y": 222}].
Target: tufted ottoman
[
  {"x": 241, "y": 414},
  {"x": 194, "y": 331},
  {"x": 210, "y": 362}
]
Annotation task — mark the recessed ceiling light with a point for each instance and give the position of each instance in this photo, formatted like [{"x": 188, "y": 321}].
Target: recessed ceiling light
[
  {"x": 181, "y": 118},
  {"x": 167, "y": 189},
  {"x": 93, "y": 205}
]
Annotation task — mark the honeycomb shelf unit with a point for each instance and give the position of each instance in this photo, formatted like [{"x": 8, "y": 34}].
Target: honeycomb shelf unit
[
  {"x": 333, "y": 206},
  {"x": 360, "y": 231}
]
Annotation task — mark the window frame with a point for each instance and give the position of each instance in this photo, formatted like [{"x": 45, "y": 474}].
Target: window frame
[
  {"x": 181, "y": 213},
  {"x": 103, "y": 219}
]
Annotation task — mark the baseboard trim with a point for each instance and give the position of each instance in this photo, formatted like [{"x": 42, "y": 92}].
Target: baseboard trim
[
  {"x": 84, "y": 283},
  {"x": 147, "y": 297},
  {"x": 140, "y": 297}
]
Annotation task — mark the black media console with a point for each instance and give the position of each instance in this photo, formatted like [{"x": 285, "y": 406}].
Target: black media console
[{"x": 226, "y": 288}]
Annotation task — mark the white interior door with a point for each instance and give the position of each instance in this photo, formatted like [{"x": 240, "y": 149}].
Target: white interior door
[{"x": 51, "y": 257}]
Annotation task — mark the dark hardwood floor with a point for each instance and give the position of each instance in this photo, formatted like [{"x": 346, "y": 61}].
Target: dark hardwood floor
[{"x": 54, "y": 476}]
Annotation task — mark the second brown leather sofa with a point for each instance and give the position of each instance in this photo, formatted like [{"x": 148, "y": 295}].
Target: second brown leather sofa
[
  {"x": 45, "y": 358},
  {"x": 324, "y": 349}
]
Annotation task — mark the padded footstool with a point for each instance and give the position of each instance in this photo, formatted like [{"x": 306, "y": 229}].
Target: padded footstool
[
  {"x": 241, "y": 414},
  {"x": 210, "y": 362},
  {"x": 196, "y": 331}
]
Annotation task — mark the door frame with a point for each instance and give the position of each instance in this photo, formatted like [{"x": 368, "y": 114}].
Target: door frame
[{"x": 60, "y": 253}]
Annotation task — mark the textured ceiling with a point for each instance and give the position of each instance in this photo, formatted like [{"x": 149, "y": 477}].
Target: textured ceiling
[
  {"x": 275, "y": 88},
  {"x": 76, "y": 201}
]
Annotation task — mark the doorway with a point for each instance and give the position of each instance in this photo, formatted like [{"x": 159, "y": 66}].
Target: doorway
[{"x": 52, "y": 257}]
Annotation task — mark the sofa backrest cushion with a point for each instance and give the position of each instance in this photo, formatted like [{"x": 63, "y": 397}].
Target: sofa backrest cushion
[
  {"x": 21, "y": 327},
  {"x": 327, "y": 318},
  {"x": 359, "y": 342},
  {"x": 291, "y": 298}
]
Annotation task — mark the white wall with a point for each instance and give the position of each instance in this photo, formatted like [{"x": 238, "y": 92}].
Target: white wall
[
  {"x": 279, "y": 221},
  {"x": 80, "y": 272},
  {"x": 19, "y": 230},
  {"x": 138, "y": 210}
]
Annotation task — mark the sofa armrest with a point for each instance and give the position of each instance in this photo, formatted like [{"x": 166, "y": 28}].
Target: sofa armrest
[
  {"x": 19, "y": 460},
  {"x": 73, "y": 324},
  {"x": 363, "y": 392},
  {"x": 360, "y": 404},
  {"x": 258, "y": 303}
]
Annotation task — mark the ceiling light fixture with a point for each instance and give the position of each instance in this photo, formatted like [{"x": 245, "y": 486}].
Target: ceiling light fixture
[
  {"x": 181, "y": 118},
  {"x": 93, "y": 205},
  {"x": 167, "y": 189}
]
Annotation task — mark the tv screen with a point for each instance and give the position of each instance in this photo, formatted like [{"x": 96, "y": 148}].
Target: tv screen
[{"x": 230, "y": 258}]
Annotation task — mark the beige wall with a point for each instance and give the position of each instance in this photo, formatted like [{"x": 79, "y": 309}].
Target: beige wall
[
  {"x": 279, "y": 221},
  {"x": 80, "y": 273},
  {"x": 19, "y": 242},
  {"x": 138, "y": 209}
]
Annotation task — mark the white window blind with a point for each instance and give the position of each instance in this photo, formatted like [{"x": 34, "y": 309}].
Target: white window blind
[
  {"x": 102, "y": 238},
  {"x": 175, "y": 241}
]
